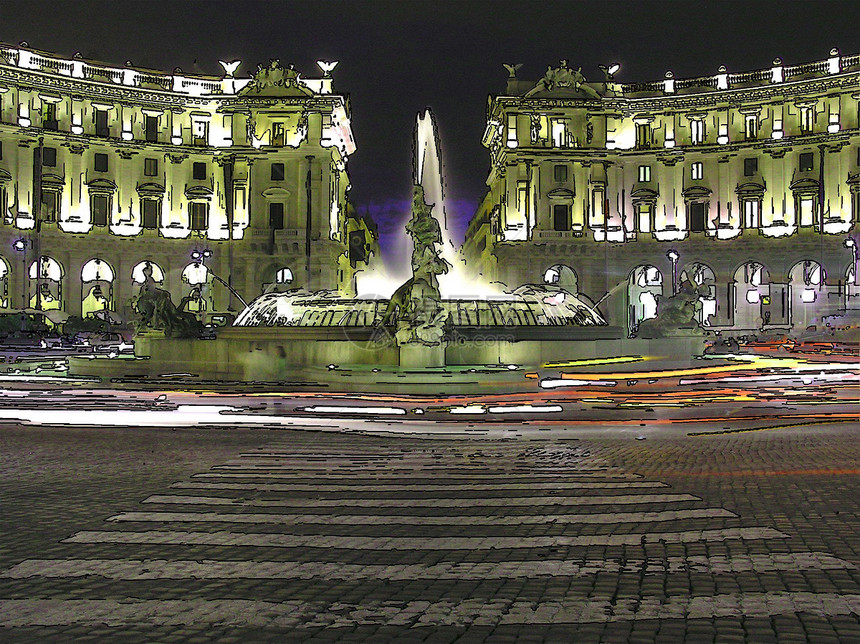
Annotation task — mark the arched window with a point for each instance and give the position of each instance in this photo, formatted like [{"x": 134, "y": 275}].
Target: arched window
[
  {"x": 97, "y": 270},
  {"x": 138, "y": 273},
  {"x": 283, "y": 276}
]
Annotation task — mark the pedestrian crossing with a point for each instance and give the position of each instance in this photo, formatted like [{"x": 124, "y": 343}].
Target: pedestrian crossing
[{"x": 400, "y": 531}]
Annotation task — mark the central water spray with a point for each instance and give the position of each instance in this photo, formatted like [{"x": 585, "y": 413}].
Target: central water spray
[{"x": 458, "y": 282}]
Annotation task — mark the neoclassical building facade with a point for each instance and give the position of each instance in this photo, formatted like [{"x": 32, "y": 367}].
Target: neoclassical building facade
[
  {"x": 216, "y": 189},
  {"x": 745, "y": 184}
]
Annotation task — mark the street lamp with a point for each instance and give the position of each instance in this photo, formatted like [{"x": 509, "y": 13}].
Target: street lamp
[
  {"x": 673, "y": 257},
  {"x": 20, "y": 246},
  {"x": 850, "y": 243}
]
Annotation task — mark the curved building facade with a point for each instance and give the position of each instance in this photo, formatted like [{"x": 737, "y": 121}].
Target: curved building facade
[
  {"x": 745, "y": 184},
  {"x": 219, "y": 188}
]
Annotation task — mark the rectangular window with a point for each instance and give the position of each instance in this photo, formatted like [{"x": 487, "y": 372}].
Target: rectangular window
[
  {"x": 276, "y": 216},
  {"x": 806, "y": 118},
  {"x": 50, "y": 205},
  {"x": 49, "y": 116},
  {"x": 199, "y": 215},
  {"x": 200, "y": 132},
  {"x": 150, "y": 209},
  {"x": 150, "y": 167},
  {"x": 277, "y": 172},
  {"x": 560, "y": 218},
  {"x": 559, "y": 133},
  {"x": 560, "y": 173},
  {"x": 751, "y": 208},
  {"x": 99, "y": 209},
  {"x": 102, "y": 128},
  {"x": 49, "y": 157},
  {"x": 751, "y": 127},
  {"x": 523, "y": 198},
  {"x": 199, "y": 171},
  {"x": 6, "y": 216},
  {"x": 750, "y": 167},
  {"x": 697, "y": 171},
  {"x": 278, "y": 134},
  {"x": 697, "y": 131},
  {"x": 807, "y": 211},
  {"x": 806, "y": 161},
  {"x": 644, "y": 173},
  {"x": 598, "y": 213},
  {"x": 697, "y": 217},
  {"x": 645, "y": 214},
  {"x": 100, "y": 163},
  {"x": 151, "y": 128},
  {"x": 643, "y": 135},
  {"x": 512, "y": 131}
]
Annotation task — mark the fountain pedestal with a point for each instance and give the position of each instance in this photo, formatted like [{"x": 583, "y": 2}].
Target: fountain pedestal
[{"x": 414, "y": 355}]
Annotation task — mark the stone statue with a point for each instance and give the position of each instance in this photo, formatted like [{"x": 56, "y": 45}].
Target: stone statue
[
  {"x": 677, "y": 314},
  {"x": 156, "y": 311},
  {"x": 275, "y": 80},
  {"x": 416, "y": 306},
  {"x": 512, "y": 70},
  {"x": 563, "y": 77}
]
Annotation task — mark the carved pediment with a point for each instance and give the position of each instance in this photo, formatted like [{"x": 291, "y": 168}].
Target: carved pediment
[
  {"x": 561, "y": 193},
  {"x": 150, "y": 190},
  {"x": 563, "y": 82},
  {"x": 275, "y": 80},
  {"x": 102, "y": 185},
  {"x": 804, "y": 183},
  {"x": 751, "y": 188},
  {"x": 275, "y": 192},
  {"x": 198, "y": 192},
  {"x": 696, "y": 192},
  {"x": 643, "y": 194},
  {"x": 53, "y": 180}
]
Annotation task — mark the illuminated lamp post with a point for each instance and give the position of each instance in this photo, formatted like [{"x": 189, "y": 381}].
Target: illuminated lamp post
[
  {"x": 850, "y": 243},
  {"x": 673, "y": 257},
  {"x": 20, "y": 246}
]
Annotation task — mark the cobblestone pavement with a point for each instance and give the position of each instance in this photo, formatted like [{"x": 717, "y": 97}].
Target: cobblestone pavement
[{"x": 254, "y": 535}]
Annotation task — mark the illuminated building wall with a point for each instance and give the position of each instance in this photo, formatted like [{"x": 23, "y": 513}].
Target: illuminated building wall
[
  {"x": 751, "y": 178},
  {"x": 105, "y": 168}
]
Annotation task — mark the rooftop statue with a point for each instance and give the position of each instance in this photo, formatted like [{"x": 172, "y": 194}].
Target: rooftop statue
[
  {"x": 415, "y": 306},
  {"x": 275, "y": 80},
  {"x": 563, "y": 78}
]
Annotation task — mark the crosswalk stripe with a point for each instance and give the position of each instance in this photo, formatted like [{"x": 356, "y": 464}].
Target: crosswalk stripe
[
  {"x": 359, "y": 519},
  {"x": 136, "y": 569},
  {"x": 301, "y": 614},
  {"x": 429, "y": 488},
  {"x": 617, "y": 499},
  {"x": 464, "y": 474},
  {"x": 224, "y": 538}
]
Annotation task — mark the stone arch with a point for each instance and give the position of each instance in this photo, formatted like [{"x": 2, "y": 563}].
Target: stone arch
[
  {"x": 806, "y": 285},
  {"x": 644, "y": 285},
  {"x": 97, "y": 278},
  {"x": 562, "y": 276},
  {"x": 4, "y": 283},
  {"x": 47, "y": 290},
  {"x": 704, "y": 279},
  {"x": 751, "y": 295}
]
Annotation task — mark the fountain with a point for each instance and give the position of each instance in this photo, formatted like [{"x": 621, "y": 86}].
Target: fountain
[
  {"x": 439, "y": 304},
  {"x": 439, "y": 323}
]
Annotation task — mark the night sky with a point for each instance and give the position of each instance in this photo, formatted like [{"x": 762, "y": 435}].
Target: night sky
[{"x": 397, "y": 58}]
